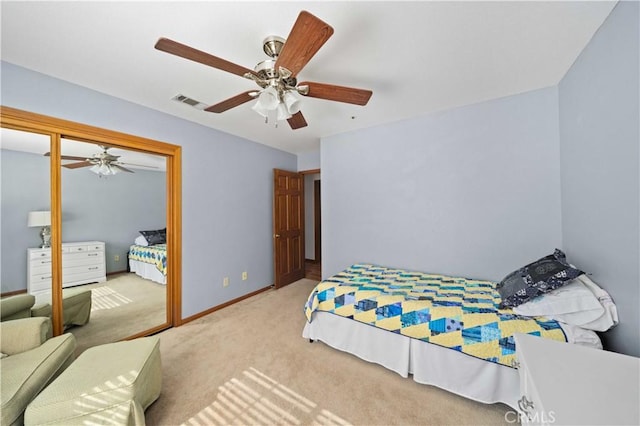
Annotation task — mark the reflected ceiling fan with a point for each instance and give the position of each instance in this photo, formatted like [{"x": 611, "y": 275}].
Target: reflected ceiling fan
[
  {"x": 103, "y": 163},
  {"x": 277, "y": 96}
]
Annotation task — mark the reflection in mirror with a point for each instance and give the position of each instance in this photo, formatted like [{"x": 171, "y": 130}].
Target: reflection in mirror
[
  {"x": 114, "y": 280},
  {"x": 25, "y": 205}
]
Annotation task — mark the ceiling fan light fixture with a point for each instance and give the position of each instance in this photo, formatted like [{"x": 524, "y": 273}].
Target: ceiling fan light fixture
[
  {"x": 104, "y": 169},
  {"x": 282, "y": 113},
  {"x": 292, "y": 102},
  {"x": 271, "y": 103},
  {"x": 260, "y": 110},
  {"x": 268, "y": 98}
]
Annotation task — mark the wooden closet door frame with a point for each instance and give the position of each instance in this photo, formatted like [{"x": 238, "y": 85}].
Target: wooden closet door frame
[{"x": 57, "y": 128}]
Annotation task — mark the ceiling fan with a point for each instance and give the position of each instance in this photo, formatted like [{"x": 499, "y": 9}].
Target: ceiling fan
[
  {"x": 277, "y": 76},
  {"x": 103, "y": 163}
]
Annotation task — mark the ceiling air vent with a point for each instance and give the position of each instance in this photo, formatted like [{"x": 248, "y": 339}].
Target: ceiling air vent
[{"x": 189, "y": 101}]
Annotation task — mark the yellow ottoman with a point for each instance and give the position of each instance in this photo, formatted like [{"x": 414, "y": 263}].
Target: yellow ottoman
[{"x": 108, "y": 384}]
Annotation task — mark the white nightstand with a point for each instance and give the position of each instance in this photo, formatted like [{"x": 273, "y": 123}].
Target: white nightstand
[
  {"x": 568, "y": 384},
  {"x": 82, "y": 263}
]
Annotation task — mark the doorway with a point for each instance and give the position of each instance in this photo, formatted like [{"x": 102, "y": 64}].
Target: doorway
[{"x": 313, "y": 225}]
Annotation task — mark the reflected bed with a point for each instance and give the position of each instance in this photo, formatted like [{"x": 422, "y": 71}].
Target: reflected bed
[{"x": 149, "y": 262}]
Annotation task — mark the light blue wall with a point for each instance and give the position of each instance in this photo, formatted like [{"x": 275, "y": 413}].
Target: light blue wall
[
  {"x": 473, "y": 191},
  {"x": 599, "y": 138},
  {"x": 110, "y": 209},
  {"x": 309, "y": 161},
  {"x": 227, "y": 183},
  {"x": 19, "y": 196}
]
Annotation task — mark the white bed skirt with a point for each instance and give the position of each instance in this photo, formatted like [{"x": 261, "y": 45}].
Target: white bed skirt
[
  {"x": 429, "y": 364},
  {"x": 147, "y": 271}
]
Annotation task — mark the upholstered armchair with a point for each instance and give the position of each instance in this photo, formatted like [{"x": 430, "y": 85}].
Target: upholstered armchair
[
  {"x": 29, "y": 362},
  {"x": 15, "y": 307}
]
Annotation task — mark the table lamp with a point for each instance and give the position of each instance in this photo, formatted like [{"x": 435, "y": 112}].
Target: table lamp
[{"x": 41, "y": 218}]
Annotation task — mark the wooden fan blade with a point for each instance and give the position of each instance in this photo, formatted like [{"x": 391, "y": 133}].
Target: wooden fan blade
[
  {"x": 124, "y": 169},
  {"x": 77, "y": 165},
  {"x": 140, "y": 165},
  {"x": 297, "y": 121},
  {"x": 196, "y": 55},
  {"x": 231, "y": 102},
  {"x": 67, "y": 157},
  {"x": 332, "y": 92},
  {"x": 306, "y": 37}
]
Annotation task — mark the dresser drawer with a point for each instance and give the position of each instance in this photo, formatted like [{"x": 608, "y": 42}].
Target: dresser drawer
[
  {"x": 68, "y": 272},
  {"x": 39, "y": 254},
  {"x": 82, "y": 258},
  {"x": 83, "y": 248},
  {"x": 42, "y": 267},
  {"x": 40, "y": 283}
]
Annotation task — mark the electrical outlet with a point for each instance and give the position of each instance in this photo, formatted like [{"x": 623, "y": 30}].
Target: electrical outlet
[
  {"x": 244, "y": 276},
  {"x": 116, "y": 258},
  {"x": 225, "y": 281}
]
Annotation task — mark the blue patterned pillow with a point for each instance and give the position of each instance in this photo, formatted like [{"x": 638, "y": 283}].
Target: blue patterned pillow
[
  {"x": 536, "y": 278},
  {"x": 158, "y": 236}
]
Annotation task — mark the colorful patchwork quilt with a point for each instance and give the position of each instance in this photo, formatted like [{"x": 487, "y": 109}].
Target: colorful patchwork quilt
[
  {"x": 155, "y": 255},
  {"x": 457, "y": 313}
]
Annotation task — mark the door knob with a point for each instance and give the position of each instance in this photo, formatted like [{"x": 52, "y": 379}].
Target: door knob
[{"x": 276, "y": 235}]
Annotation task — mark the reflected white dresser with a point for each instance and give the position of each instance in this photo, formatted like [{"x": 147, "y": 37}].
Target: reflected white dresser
[
  {"x": 82, "y": 263},
  {"x": 569, "y": 384}
]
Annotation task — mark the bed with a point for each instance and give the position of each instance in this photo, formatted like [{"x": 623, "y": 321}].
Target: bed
[
  {"x": 149, "y": 262},
  {"x": 445, "y": 331}
]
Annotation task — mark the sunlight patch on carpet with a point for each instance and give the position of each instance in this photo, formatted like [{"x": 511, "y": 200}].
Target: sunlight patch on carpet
[
  {"x": 107, "y": 298},
  {"x": 258, "y": 399}
]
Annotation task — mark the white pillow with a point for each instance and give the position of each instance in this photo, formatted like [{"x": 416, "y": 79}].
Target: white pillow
[
  {"x": 141, "y": 241},
  {"x": 573, "y": 302},
  {"x": 610, "y": 317},
  {"x": 580, "y": 336},
  {"x": 581, "y": 303}
]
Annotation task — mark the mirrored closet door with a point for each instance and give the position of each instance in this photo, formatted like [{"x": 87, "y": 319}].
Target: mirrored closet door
[
  {"x": 98, "y": 189},
  {"x": 109, "y": 195},
  {"x": 26, "y": 212}
]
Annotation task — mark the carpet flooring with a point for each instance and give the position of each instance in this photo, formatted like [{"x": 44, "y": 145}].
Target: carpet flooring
[
  {"x": 248, "y": 364},
  {"x": 122, "y": 306}
]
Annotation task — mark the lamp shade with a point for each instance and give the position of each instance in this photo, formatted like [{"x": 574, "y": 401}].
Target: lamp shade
[
  {"x": 268, "y": 99},
  {"x": 104, "y": 169},
  {"x": 40, "y": 218},
  {"x": 260, "y": 110},
  {"x": 292, "y": 103},
  {"x": 282, "y": 113},
  {"x": 278, "y": 105}
]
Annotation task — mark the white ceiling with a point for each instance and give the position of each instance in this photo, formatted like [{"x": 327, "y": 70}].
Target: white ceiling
[{"x": 416, "y": 57}]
